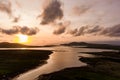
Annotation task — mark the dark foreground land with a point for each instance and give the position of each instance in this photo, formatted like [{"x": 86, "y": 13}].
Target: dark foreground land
[
  {"x": 105, "y": 66},
  {"x": 14, "y": 62}
]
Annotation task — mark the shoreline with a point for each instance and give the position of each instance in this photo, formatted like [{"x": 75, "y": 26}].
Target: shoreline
[
  {"x": 105, "y": 66},
  {"x": 15, "y": 62}
]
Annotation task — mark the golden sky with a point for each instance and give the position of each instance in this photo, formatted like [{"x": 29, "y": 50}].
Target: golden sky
[{"x": 57, "y": 21}]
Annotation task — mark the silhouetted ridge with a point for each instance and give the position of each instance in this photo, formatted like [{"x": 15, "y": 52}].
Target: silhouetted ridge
[
  {"x": 11, "y": 45},
  {"x": 92, "y": 45},
  {"x": 75, "y": 44}
]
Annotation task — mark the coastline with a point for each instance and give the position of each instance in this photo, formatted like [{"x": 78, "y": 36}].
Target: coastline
[
  {"x": 15, "y": 62},
  {"x": 105, "y": 66}
]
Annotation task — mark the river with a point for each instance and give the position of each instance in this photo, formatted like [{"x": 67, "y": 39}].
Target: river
[{"x": 62, "y": 57}]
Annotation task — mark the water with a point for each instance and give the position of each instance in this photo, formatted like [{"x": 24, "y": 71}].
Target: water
[{"x": 62, "y": 57}]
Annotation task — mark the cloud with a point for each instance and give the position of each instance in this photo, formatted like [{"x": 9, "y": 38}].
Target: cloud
[
  {"x": 29, "y": 31},
  {"x": 16, "y": 19},
  {"x": 78, "y": 32},
  {"x": 14, "y": 30},
  {"x": 113, "y": 31},
  {"x": 72, "y": 32},
  {"x": 52, "y": 12},
  {"x": 95, "y": 29},
  {"x": 18, "y": 29},
  {"x": 5, "y": 6},
  {"x": 61, "y": 27},
  {"x": 78, "y": 10}
]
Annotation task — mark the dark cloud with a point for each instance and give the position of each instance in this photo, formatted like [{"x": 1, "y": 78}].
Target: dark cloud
[
  {"x": 113, "y": 31},
  {"x": 61, "y": 27},
  {"x": 52, "y": 12},
  {"x": 86, "y": 30},
  {"x": 29, "y": 31},
  {"x": 16, "y": 19},
  {"x": 14, "y": 30},
  {"x": 18, "y": 29},
  {"x": 72, "y": 32},
  {"x": 95, "y": 29},
  {"x": 78, "y": 32},
  {"x": 5, "y": 6}
]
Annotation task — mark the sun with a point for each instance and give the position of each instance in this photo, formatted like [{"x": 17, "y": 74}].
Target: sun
[{"x": 22, "y": 38}]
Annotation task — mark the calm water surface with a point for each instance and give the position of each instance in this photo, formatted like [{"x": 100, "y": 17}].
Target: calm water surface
[{"x": 62, "y": 57}]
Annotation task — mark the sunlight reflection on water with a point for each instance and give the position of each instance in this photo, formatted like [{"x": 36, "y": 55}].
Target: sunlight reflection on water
[{"x": 62, "y": 57}]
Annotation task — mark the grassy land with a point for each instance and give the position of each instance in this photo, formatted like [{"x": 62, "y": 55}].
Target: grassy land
[
  {"x": 106, "y": 66},
  {"x": 14, "y": 62}
]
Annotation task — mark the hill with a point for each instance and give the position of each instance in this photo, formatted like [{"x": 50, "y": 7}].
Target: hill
[
  {"x": 92, "y": 45},
  {"x": 11, "y": 45}
]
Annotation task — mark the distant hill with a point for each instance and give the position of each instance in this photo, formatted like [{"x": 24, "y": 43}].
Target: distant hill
[
  {"x": 11, "y": 45},
  {"x": 17, "y": 45},
  {"x": 75, "y": 44},
  {"x": 78, "y": 44},
  {"x": 92, "y": 45}
]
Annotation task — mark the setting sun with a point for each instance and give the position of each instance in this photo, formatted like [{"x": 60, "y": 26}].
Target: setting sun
[{"x": 22, "y": 38}]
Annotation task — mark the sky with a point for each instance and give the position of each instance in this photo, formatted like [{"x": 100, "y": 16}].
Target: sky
[{"x": 58, "y": 21}]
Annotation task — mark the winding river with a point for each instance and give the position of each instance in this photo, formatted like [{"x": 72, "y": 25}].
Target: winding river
[{"x": 62, "y": 57}]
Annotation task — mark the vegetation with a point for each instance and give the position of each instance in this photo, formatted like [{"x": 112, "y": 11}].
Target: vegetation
[
  {"x": 105, "y": 66},
  {"x": 14, "y": 62}
]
